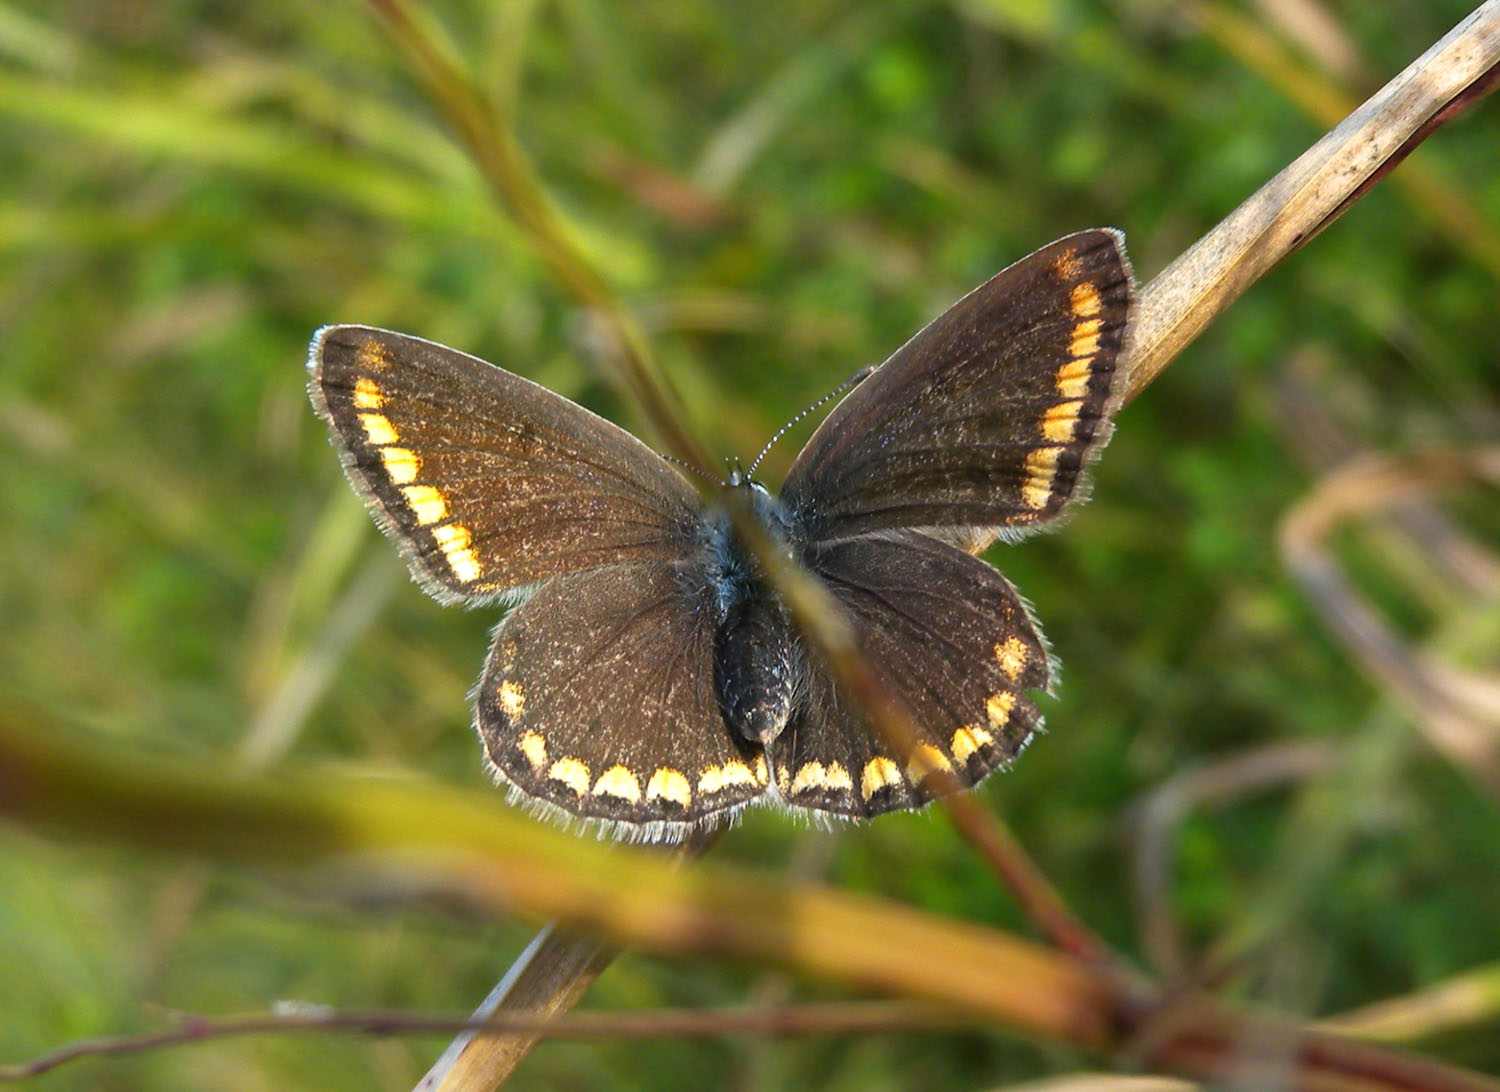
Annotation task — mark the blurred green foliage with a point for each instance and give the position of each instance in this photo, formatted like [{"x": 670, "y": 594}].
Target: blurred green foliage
[{"x": 782, "y": 192}]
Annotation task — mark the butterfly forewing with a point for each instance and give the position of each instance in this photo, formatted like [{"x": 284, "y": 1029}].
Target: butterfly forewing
[
  {"x": 988, "y": 416},
  {"x": 488, "y": 481},
  {"x": 598, "y": 698},
  {"x": 951, "y": 640}
]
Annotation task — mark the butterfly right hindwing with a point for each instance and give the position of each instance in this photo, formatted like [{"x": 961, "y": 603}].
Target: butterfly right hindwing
[
  {"x": 598, "y": 698},
  {"x": 951, "y": 640}
]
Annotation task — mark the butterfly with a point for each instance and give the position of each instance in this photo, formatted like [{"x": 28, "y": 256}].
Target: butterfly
[{"x": 646, "y": 678}]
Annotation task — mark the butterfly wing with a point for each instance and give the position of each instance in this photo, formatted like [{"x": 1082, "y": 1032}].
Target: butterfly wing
[
  {"x": 988, "y": 416},
  {"x": 598, "y": 699},
  {"x": 487, "y": 481},
  {"x": 952, "y": 641}
]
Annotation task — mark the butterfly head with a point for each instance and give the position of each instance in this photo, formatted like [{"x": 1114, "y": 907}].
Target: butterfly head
[
  {"x": 762, "y": 501},
  {"x": 739, "y": 477}
]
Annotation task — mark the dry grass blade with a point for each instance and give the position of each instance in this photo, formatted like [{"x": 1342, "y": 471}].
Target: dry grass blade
[
  {"x": 1327, "y": 100},
  {"x": 1102, "y": 1082},
  {"x": 401, "y": 840},
  {"x": 1367, "y": 485},
  {"x": 548, "y": 978},
  {"x": 1311, "y": 428},
  {"x": 1159, "y": 813},
  {"x": 1305, "y": 197},
  {"x": 1467, "y": 1000}
]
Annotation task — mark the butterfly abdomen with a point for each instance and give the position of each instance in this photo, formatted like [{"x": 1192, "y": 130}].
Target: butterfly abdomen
[{"x": 754, "y": 668}]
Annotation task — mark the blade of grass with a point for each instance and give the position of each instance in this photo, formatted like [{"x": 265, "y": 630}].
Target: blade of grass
[
  {"x": 401, "y": 840},
  {"x": 145, "y": 125},
  {"x": 505, "y": 166}
]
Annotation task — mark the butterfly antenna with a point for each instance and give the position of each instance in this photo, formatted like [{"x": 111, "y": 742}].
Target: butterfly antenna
[
  {"x": 705, "y": 475},
  {"x": 853, "y": 381}
]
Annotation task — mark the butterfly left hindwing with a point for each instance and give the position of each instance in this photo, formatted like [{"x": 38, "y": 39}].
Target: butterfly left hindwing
[{"x": 951, "y": 640}]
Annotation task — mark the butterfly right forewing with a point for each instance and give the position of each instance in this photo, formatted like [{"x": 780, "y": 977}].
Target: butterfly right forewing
[{"x": 487, "y": 481}]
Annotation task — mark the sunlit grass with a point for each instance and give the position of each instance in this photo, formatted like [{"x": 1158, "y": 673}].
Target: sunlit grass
[{"x": 188, "y": 192}]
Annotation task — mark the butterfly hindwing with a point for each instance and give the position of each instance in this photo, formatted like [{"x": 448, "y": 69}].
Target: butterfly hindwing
[
  {"x": 598, "y": 698},
  {"x": 486, "y": 480},
  {"x": 951, "y": 640},
  {"x": 989, "y": 415}
]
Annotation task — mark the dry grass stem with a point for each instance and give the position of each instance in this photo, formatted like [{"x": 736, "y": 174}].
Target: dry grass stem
[
  {"x": 1160, "y": 812},
  {"x": 1372, "y": 484},
  {"x": 1305, "y": 197}
]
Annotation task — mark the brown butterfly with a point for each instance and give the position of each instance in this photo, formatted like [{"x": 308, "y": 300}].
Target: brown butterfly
[{"x": 646, "y": 677}]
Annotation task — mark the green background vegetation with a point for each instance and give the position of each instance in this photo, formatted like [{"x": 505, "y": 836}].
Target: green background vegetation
[{"x": 782, "y": 192}]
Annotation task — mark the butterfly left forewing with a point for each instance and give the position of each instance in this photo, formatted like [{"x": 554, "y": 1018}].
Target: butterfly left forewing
[
  {"x": 598, "y": 701},
  {"x": 989, "y": 415},
  {"x": 951, "y": 640}
]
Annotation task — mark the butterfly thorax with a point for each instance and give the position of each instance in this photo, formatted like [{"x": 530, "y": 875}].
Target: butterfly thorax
[{"x": 755, "y": 650}]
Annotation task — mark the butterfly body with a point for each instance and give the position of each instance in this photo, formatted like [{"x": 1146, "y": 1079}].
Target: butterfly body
[
  {"x": 756, "y": 654},
  {"x": 647, "y": 678}
]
